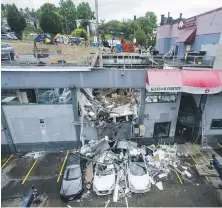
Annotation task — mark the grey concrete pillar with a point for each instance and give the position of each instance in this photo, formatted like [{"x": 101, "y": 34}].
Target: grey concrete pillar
[
  {"x": 142, "y": 105},
  {"x": 75, "y": 113},
  {"x": 7, "y": 132}
]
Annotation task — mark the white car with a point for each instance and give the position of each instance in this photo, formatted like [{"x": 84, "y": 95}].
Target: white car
[
  {"x": 138, "y": 176},
  {"x": 104, "y": 179}
]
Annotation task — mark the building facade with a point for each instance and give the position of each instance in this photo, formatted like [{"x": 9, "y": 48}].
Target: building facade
[
  {"x": 170, "y": 106},
  {"x": 198, "y": 33}
]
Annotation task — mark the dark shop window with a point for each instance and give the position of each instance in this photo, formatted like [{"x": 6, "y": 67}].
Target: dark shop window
[
  {"x": 216, "y": 124},
  {"x": 161, "y": 97},
  {"x": 161, "y": 130}
]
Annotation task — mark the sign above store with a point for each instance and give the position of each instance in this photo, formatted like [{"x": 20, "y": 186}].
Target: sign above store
[
  {"x": 164, "y": 89},
  {"x": 191, "y": 22}
]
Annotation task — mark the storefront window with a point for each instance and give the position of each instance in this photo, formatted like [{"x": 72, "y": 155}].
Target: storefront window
[
  {"x": 216, "y": 124},
  {"x": 161, "y": 130},
  {"x": 161, "y": 97}
]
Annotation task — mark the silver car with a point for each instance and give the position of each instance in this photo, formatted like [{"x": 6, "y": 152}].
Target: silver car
[
  {"x": 6, "y": 37},
  {"x": 7, "y": 52},
  {"x": 72, "y": 182}
]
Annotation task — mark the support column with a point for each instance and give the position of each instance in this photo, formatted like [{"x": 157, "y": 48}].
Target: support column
[
  {"x": 75, "y": 114},
  {"x": 7, "y": 132},
  {"x": 142, "y": 105}
]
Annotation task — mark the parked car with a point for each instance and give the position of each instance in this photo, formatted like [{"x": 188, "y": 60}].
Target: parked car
[
  {"x": 72, "y": 182},
  {"x": 137, "y": 175},
  {"x": 6, "y": 37},
  {"x": 7, "y": 51},
  {"x": 13, "y": 36},
  {"x": 75, "y": 41},
  {"x": 104, "y": 179},
  {"x": 9, "y": 36},
  {"x": 40, "y": 38}
]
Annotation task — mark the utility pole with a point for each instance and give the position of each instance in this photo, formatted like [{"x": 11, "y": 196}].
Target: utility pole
[{"x": 97, "y": 19}]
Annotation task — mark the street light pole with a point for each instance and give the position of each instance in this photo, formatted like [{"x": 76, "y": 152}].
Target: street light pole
[{"x": 97, "y": 19}]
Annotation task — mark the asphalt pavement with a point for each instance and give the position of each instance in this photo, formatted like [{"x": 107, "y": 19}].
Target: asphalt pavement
[{"x": 44, "y": 174}]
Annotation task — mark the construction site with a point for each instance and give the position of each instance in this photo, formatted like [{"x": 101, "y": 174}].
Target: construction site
[{"x": 90, "y": 126}]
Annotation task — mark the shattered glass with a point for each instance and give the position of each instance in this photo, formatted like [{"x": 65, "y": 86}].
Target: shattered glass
[
  {"x": 137, "y": 168},
  {"x": 103, "y": 170}
]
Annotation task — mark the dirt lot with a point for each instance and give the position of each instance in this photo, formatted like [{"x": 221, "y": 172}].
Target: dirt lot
[
  {"x": 70, "y": 53},
  {"x": 197, "y": 192}
]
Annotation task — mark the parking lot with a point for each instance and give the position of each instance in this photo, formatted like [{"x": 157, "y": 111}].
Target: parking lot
[{"x": 19, "y": 174}]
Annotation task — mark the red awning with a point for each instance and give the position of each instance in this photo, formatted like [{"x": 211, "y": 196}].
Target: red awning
[
  {"x": 201, "y": 78},
  {"x": 201, "y": 82},
  {"x": 220, "y": 76},
  {"x": 189, "y": 81},
  {"x": 187, "y": 36},
  {"x": 164, "y": 81}
]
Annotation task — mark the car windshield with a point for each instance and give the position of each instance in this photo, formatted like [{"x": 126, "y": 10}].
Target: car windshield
[
  {"x": 103, "y": 170},
  {"x": 72, "y": 173},
  {"x": 137, "y": 168}
]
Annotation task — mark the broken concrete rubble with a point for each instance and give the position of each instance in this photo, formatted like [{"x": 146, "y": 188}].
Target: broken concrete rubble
[
  {"x": 95, "y": 147},
  {"x": 105, "y": 113},
  {"x": 160, "y": 161},
  {"x": 159, "y": 185},
  {"x": 163, "y": 159},
  {"x": 89, "y": 175},
  {"x": 35, "y": 155}
]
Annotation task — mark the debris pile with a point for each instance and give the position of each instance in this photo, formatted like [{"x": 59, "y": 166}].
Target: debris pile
[
  {"x": 117, "y": 169},
  {"x": 107, "y": 109},
  {"x": 162, "y": 160}
]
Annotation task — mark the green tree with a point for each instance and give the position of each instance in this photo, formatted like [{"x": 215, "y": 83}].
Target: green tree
[
  {"x": 114, "y": 27},
  {"x": 27, "y": 12},
  {"x": 3, "y": 7},
  {"x": 134, "y": 26},
  {"x": 148, "y": 22},
  {"x": 84, "y": 23},
  {"x": 50, "y": 20},
  {"x": 122, "y": 40},
  {"x": 16, "y": 20},
  {"x": 80, "y": 32},
  {"x": 140, "y": 37},
  {"x": 84, "y": 11},
  {"x": 4, "y": 14},
  {"x": 68, "y": 13}
]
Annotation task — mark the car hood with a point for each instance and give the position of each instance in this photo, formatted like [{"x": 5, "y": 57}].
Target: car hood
[
  {"x": 139, "y": 182},
  {"x": 72, "y": 187},
  {"x": 104, "y": 183}
]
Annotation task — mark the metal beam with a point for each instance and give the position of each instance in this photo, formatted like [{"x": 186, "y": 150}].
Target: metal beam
[
  {"x": 7, "y": 132},
  {"x": 75, "y": 113},
  {"x": 51, "y": 77}
]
